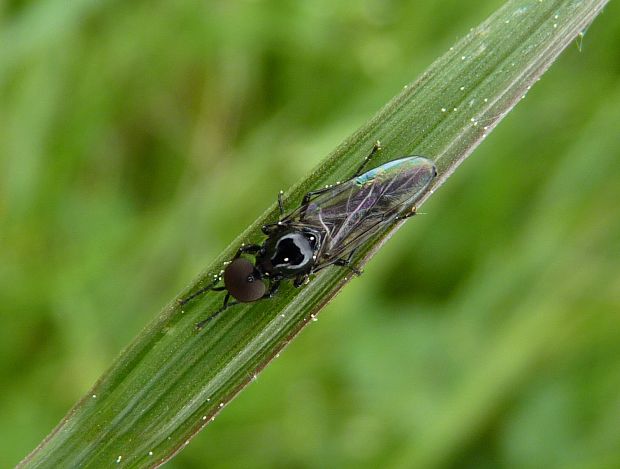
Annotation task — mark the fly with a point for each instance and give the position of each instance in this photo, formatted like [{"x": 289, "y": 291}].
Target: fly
[{"x": 326, "y": 229}]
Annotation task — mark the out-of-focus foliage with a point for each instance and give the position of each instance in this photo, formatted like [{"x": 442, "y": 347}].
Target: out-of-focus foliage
[{"x": 495, "y": 341}]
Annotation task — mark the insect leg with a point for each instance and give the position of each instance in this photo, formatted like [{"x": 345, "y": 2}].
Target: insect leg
[
  {"x": 273, "y": 289},
  {"x": 306, "y": 200},
  {"x": 376, "y": 148},
  {"x": 300, "y": 280},
  {"x": 280, "y": 204},
  {"x": 271, "y": 227},
  {"x": 347, "y": 263},
  {"x": 224, "y": 307},
  {"x": 408, "y": 214},
  {"x": 247, "y": 249},
  {"x": 311, "y": 194},
  {"x": 308, "y": 196},
  {"x": 211, "y": 286}
]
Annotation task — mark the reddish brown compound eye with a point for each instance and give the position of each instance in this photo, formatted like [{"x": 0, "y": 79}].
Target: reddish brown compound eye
[{"x": 241, "y": 283}]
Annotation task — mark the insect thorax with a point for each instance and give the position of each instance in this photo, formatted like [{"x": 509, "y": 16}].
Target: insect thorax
[{"x": 289, "y": 252}]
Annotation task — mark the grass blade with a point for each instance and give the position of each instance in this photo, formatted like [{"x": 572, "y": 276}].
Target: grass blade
[{"x": 172, "y": 381}]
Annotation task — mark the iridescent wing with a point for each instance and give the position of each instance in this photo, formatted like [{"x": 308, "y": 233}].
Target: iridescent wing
[{"x": 352, "y": 212}]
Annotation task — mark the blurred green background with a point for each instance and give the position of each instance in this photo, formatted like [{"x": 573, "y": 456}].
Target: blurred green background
[{"x": 137, "y": 139}]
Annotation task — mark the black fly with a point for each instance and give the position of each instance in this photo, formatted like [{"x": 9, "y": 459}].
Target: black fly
[{"x": 326, "y": 229}]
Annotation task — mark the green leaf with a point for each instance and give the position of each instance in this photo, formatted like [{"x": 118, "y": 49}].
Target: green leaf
[{"x": 173, "y": 380}]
